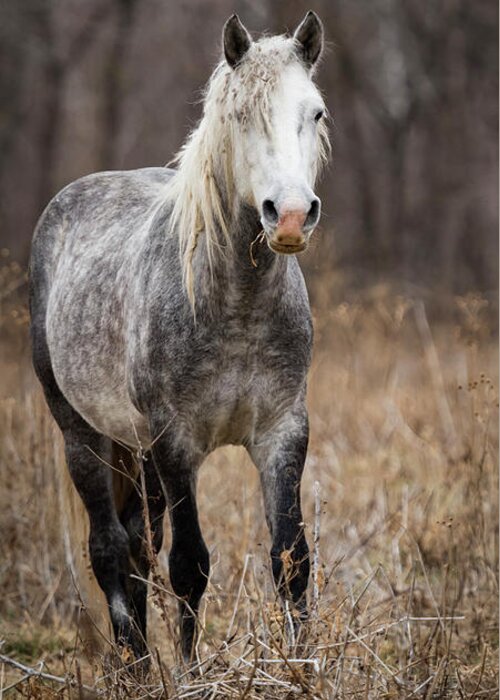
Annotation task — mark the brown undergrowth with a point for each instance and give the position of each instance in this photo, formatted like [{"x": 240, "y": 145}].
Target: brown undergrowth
[{"x": 401, "y": 511}]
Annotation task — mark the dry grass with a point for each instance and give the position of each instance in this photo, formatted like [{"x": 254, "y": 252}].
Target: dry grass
[{"x": 404, "y": 452}]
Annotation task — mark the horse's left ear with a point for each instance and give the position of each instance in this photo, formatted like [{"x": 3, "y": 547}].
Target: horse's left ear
[
  {"x": 309, "y": 38},
  {"x": 236, "y": 40}
]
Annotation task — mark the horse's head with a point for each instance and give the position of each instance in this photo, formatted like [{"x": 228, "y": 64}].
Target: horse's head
[
  {"x": 261, "y": 142},
  {"x": 279, "y": 138}
]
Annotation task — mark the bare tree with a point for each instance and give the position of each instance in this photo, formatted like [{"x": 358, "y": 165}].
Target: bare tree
[
  {"x": 113, "y": 96},
  {"x": 412, "y": 87},
  {"x": 57, "y": 62}
]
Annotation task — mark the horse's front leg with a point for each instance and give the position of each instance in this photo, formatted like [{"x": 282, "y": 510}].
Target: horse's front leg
[
  {"x": 280, "y": 458},
  {"x": 189, "y": 562}
]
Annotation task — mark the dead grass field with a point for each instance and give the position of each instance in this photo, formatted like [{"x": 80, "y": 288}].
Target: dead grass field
[{"x": 402, "y": 524}]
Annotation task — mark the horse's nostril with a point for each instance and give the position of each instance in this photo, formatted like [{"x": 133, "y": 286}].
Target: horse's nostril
[
  {"x": 312, "y": 215},
  {"x": 269, "y": 212}
]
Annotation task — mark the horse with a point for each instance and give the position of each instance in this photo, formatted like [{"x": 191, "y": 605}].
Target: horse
[{"x": 169, "y": 316}]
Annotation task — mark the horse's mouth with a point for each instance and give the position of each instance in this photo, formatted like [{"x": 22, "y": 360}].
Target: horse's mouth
[{"x": 287, "y": 249}]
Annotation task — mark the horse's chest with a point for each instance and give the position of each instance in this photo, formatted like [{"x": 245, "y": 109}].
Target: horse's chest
[{"x": 236, "y": 396}]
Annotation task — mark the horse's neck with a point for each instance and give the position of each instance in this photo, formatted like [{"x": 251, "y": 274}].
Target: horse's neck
[{"x": 248, "y": 271}]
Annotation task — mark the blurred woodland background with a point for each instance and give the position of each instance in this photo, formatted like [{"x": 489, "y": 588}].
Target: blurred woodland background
[
  {"x": 401, "y": 480},
  {"x": 411, "y": 86}
]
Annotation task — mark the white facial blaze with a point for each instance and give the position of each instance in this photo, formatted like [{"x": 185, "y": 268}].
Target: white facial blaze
[{"x": 281, "y": 163}]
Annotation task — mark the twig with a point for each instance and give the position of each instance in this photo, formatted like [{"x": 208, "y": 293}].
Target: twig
[
  {"x": 376, "y": 657},
  {"x": 317, "y": 522},
  {"x": 240, "y": 589},
  {"x": 162, "y": 675},
  {"x": 33, "y": 673},
  {"x": 424, "y": 571},
  {"x": 432, "y": 358},
  {"x": 483, "y": 662}
]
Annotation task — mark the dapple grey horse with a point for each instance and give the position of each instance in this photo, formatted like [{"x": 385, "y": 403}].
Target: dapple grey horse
[{"x": 170, "y": 316}]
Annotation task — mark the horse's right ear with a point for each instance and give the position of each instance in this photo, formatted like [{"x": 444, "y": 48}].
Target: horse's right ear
[{"x": 236, "y": 40}]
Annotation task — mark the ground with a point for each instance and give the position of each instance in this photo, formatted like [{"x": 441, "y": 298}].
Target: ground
[{"x": 400, "y": 504}]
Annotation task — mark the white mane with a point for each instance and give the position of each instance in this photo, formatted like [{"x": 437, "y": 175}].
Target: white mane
[{"x": 203, "y": 190}]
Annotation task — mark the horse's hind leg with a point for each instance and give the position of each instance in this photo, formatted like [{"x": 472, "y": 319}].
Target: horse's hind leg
[
  {"x": 88, "y": 454},
  {"x": 143, "y": 545}
]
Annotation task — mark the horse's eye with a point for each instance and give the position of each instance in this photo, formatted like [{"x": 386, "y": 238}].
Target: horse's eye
[{"x": 318, "y": 115}]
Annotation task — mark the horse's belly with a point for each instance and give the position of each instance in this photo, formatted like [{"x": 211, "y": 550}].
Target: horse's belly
[
  {"x": 119, "y": 420},
  {"x": 93, "y": 381},
  {"x": 107, "y": 409}
]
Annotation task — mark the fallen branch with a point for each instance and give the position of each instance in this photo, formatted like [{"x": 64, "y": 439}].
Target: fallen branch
[{"x": 30, "y": 672}]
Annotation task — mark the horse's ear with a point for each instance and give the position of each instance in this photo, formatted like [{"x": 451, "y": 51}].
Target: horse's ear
[
  {"x": 236, "y": 40},
  {"x": 309, "y": 38}
]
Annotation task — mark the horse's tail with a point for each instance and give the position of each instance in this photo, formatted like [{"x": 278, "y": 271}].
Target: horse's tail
[{"x": 94, "y": 624}]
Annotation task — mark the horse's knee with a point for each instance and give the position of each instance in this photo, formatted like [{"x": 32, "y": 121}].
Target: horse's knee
[{"x": 189, "y": 566}]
